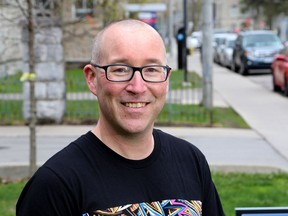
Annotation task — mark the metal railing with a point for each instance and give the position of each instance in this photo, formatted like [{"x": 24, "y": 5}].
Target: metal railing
[{"x": 183, "y": 104}]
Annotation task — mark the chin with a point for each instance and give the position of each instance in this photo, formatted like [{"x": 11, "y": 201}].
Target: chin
[{"x": 135, "y": 128}]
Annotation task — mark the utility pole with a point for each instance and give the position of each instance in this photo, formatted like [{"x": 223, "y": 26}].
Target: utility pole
[
  {"x": 207, "y": 55},
  {"x": 171, "y": 24},
  {"x": 184, "y": 42}
]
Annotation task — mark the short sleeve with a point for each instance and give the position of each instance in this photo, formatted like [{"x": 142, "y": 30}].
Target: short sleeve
[{"x": 46, "y": 194}]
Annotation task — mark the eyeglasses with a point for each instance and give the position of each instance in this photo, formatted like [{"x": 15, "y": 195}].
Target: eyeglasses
[{"x": 124, "y": 73}]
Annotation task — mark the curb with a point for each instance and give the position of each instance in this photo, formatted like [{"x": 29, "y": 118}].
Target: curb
[{"x": 19, "y": 172}]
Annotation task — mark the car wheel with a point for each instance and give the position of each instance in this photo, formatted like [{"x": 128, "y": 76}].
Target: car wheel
[
  {"x": 234, "y": 66},
  {"x": 243, "y": 70},
  {"x": 275, "y": 87},
  {"x": 286, "y": 88}
]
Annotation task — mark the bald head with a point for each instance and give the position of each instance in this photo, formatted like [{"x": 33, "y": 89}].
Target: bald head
[{"x": 130, "y": 33}]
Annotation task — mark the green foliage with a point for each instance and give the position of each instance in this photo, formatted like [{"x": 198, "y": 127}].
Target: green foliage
[{"x": 270, "y": 8}]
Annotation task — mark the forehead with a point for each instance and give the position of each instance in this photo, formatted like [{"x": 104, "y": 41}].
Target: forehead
[{"x": 132, "y": 42}]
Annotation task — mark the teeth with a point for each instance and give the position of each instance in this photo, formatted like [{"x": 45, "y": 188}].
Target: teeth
[{"x": 135, "y": 105}]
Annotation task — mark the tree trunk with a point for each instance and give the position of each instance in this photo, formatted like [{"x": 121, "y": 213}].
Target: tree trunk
[{"x": 33, "y": 112}]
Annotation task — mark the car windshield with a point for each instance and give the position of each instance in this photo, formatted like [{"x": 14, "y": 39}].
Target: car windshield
[{"x": 261, "y": 40}]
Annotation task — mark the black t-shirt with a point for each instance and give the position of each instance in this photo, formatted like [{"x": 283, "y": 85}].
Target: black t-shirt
[{"x": 88, "y": 178}]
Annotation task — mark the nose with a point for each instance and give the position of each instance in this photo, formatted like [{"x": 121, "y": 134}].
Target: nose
[{"x": 136, "y": 84}]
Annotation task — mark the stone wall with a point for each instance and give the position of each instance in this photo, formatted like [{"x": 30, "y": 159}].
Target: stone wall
[
  {"x": 50, "y": 89},
  {"x": 10, "y": 33}
]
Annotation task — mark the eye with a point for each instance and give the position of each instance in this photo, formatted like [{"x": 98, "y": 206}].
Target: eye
[
  {"x": 153, "y": 69},
  {"x": 119, "y": 69}
]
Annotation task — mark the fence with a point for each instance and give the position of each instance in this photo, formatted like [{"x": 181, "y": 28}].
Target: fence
[{"x": 182, "y": 105}]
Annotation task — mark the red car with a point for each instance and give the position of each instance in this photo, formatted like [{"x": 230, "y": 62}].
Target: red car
[{"x": 280, "y": 71}]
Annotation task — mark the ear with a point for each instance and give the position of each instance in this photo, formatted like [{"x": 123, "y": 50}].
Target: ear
[{"x": 90, "y": 76}]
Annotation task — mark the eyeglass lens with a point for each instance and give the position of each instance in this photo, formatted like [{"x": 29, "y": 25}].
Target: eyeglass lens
[{"x": 125, "y": 73}]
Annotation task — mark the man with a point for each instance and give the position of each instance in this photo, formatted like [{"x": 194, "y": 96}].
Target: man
[{"x": 124, "y": 166}]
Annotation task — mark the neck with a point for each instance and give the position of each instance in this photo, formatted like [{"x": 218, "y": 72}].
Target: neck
[{"x": 133, "y": 146}]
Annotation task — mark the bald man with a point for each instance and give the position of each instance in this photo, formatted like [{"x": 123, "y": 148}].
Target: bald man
[{"x": 124, "y": 166}]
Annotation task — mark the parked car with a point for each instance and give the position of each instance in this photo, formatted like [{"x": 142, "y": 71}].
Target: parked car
[
  {"x": 226, "y": 51},
  {"x": 218, "y": 39},
  {"x": 255, "y": 50},
  {"x": 194, "y": 40},
  {"x": 280, "y": 71}
]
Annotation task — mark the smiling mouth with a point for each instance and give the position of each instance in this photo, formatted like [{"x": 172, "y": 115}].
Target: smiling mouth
[{"x": 135, "y": 105}]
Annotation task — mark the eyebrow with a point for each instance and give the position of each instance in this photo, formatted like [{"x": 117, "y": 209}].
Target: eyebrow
[{"x": 146, "y": 61}]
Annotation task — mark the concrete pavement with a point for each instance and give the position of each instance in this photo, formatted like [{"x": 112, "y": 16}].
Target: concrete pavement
[
  {"x": 264, "y": 148},
  {"x": 265, "y": 111}
]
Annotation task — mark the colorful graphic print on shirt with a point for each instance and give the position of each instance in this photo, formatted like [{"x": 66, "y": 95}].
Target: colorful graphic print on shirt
[{"x": 165, "y": 207}]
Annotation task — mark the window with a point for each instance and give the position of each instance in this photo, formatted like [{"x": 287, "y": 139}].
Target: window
[
  {"x": 84, "y": 7},
  {"x": 234, "y": 10},
  {"x": 45, "y": 7}
]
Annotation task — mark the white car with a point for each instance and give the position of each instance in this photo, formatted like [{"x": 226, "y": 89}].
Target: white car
[
  {"x": 225, "y": 56},
  {"x": 194, "y": 40}
]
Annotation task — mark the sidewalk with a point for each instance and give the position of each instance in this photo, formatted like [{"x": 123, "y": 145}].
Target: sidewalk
[
  {"x": 264, "y": 110},
  {"x": 264, "y": 148},
  {"x": 227, "y": 150}
]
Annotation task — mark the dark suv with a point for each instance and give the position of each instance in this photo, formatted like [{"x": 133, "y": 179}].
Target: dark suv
[{"x": 255, "y": 50}]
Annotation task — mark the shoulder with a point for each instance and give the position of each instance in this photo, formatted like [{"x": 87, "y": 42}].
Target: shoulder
[
  {"x": 176, "y": 143},
  {"x": 73, "y": 159},
  {"x": 183, "y": 154},
  {"x": 46, "y": 194},
  {"x": 180, "y": 150}
]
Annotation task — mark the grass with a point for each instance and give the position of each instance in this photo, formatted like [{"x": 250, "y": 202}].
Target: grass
[
  {"x": 81, "y": 112},
  {"x": 75, "y": 81},
  {"x": 11, "y": 84},
  {"x": 235, "y": 190},
  {"x": 11, "y": 112},
  {"x": 86, "y": 111},
  {"x": 178, "y": 75},
  {"x": 9, "y": 194},
  {"x": 247, "y": 190}
]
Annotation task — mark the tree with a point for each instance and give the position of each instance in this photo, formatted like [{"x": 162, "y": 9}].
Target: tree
[
  {"x": 196, "y": 8},
  {"x": 269, "y": 8},
  {"x": 26, "y": 12},
  {"x": 35, "y": 15}
]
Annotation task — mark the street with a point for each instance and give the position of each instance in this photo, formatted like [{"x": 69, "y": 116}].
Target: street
[{"x": 260, "y": 77}]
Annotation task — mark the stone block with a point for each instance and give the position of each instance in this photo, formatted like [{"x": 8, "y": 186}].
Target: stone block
[
  {"x": 49, "y": 71},
  {"x": 56, "y": 90},
  {"x": 40, "y": 90},
  {"x": 50, "y": 110},
  {"x": 49, "y": 36},
  {"x": 47, "y": 111}
]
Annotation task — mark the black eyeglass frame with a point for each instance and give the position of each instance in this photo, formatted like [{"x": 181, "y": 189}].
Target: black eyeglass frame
[{"x": 134, "y": 70}]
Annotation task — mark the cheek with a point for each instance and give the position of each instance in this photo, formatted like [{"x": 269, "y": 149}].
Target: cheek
[
  {"x": 164, "y": 90},
  {"x": 107, "y": 90}
]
